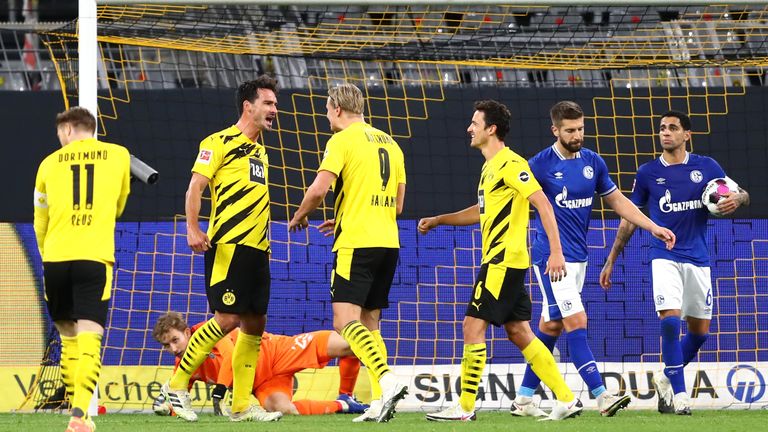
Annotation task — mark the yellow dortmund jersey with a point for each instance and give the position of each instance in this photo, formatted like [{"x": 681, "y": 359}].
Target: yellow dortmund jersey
[
  {"x": 237, "y": 169},
  {"x": 369, "y": 166},
  {"x": 506, "y": 183},
  {"x": 79, "y": 192}
]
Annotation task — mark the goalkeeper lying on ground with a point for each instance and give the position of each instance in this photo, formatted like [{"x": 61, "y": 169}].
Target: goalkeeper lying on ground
[{"x": 280, "y": 359}]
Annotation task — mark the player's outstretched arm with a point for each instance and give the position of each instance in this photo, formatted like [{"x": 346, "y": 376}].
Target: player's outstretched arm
[
  {"x": 196, "y": 238},
  {"x": 468, "y": 216},
  {"x": 733, "y": 201},
  {"x": 627, "y": 210},
  {"x": 312, "y": 200},
  {"x": 556, "y": 262},
  {"x": 626, "y": 229}
]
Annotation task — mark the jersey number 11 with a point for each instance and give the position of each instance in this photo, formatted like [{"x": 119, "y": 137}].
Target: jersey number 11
[{"x": 89, "y": 168}]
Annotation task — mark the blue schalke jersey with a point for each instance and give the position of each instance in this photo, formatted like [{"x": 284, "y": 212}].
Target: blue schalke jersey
[
  {"x": 570, "y": 185},
  {"x": 673, "y": 195}
]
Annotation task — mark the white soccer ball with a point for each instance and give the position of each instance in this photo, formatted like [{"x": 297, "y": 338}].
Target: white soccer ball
[
  {"x": 161, "y": 407},
  {"x": 714, "y": 192}
]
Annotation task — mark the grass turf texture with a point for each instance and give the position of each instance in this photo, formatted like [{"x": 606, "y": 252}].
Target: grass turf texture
[{"x": 645, "y": 421}]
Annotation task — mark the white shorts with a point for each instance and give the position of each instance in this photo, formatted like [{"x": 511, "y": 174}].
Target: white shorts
[
  {"x": 682, "y": 286},
  {"x": 563, "y": 298}
]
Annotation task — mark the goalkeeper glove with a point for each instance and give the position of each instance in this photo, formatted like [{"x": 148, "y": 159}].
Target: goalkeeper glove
[{"x": 218, "y": 397}]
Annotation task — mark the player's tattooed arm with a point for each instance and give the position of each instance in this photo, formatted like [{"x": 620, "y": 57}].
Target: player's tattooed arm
[
  {"x": 743, "y": 197},
  {"x": 624, "y": 233},
  {"x": 733, "y": 201}
]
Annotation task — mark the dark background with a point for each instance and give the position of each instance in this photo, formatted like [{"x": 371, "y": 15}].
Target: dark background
[{"x": 164, "y": 128}]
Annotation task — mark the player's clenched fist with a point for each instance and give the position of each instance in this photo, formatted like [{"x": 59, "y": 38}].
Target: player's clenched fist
[
  {"x": 197, "y": 240},
  {"x": 427, "y": 224}
]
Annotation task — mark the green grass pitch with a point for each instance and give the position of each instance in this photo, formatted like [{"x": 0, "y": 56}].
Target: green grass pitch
[{"x": 630, "y": 420}]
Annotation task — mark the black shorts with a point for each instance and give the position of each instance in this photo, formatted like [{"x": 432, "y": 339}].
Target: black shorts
[
  {"x": 500, "y": 295},
  {"x": 363, "y": 276},
  {"x": 237, "y": 279},
  {"x": 76, "y": 290}
]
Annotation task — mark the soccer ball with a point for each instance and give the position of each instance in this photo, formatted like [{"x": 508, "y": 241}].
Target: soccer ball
[
  {"x": 714, "y": 192},
  {"x": 161, "y": 407}
]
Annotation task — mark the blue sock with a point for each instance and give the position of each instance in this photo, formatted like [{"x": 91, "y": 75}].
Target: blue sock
[
  {"x": 672, "y": 353},
  {"x": 530, "y": 380},
  {"x": 584, "y": 360},
  {"x": 691, "y": 344}
]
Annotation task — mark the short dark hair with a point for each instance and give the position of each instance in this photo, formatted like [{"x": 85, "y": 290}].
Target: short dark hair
[
  {"x": 685, "y": 121},
  {"x": 496, "y": 114},
  {"x": 249, "y": 90},
  {"x": 167, "y": 322},
  {"x": 565, "y": 110},
  {"x": 77, "y": 117}
]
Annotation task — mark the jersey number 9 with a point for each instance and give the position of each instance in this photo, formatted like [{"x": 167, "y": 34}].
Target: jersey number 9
[{"x": 384, "y": 167}]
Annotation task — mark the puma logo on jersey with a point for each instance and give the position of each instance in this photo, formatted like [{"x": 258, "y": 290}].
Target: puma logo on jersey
[{"x": 477, "y": 305}]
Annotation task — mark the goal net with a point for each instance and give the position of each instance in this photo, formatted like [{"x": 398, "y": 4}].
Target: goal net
[{"x": 167, "y": 75}]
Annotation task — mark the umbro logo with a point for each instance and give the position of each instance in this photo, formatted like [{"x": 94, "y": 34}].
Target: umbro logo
[
  {"x": 661, "y": 181},
  {"x": 559, "y": 175}
]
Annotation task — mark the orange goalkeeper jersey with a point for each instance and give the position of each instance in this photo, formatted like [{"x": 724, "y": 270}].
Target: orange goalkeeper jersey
[
  {"x": 217, "y": 367},
  {"x": 279, "y": 356}
]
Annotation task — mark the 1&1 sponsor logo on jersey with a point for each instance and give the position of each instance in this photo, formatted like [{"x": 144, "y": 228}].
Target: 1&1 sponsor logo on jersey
[{"x": 257, "y": 171}]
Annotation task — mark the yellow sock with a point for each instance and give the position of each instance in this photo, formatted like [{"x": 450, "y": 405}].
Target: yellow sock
[
  {"x": 200, "y": 345},
  {"x": 472, "y": 365},
  {"x": 244, "y": 360},
  {"x": 69, "y": 355},
  {"x": 544, "y": 366},
  {"x": 88, "y": 370},
  {"x": 375, "y": 386},
  {"x": 366, "y": 348}
]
